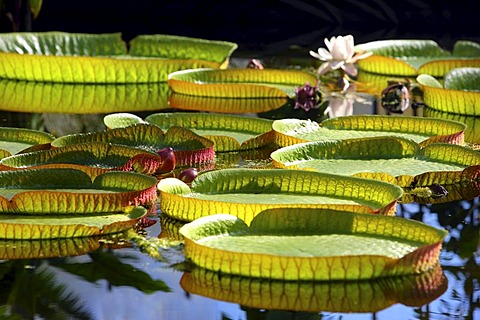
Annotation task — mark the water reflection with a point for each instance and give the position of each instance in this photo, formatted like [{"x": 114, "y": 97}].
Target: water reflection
[{"x": 39, "y": 97}]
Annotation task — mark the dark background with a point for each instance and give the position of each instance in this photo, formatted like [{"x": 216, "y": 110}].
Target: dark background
[{"x": 268, "y": 26}]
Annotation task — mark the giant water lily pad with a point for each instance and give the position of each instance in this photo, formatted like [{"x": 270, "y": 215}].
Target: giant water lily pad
[
  {"x": 313, "y": 296},
  {"x": 387, "y": 158},
  {"x": 93, "y": 158},
  {"x": 312, "y": 244},
  {"x": 239, "y": 83},
  {"x": 15, "y": 140},
  {"x": 246, "y": 192},
  {"x": 103, "y": 58},
  {"x": 229, "y": 132},
  {"x": 189, "y": 148},
  {"x": 460, "y": 92},
  {"x": 421, "y": 130},
  {"x": 70, "y": 191},
  {"x": 29, "y": 227},
  {"x": 413, "y": 57},
  {"x": 80, "y": 98}
]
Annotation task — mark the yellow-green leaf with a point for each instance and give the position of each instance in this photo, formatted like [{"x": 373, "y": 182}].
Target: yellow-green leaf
[
  {"x": 313, "y": 244},
  {"x": 239, "y": 83},
  {"x": 246, "y": 192}
]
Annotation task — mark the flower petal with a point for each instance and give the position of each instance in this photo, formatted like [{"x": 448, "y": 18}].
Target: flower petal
[
  {"x": 324, "y": 68},
  {"x": 336, "y": 64},
  {"x": 350, "y": 69},
  {"x": 349, "y": 45},
  {"x": 329, "y": 43}
]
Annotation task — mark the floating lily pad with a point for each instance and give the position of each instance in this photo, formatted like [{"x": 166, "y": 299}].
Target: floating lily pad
[
  {"x": 308, "y": 296},
  {"x": 228, "y": 132},
  {"x": 189, "y": 148},
  {"x": 103, "y": 58},
  {"x": 391, "y": 159},
  {"x": 413, "y": 57},
  {"x": 70, "y": 191},
  {"x": 239, "y": 83},
  {"x": 79, "y": 98},
  {"x": 29, "y": 227},
  {"x": 93, "y": 158},
  {"x": 15, "y": 140},
  {"x": 246, "y": 192},
  {"x": 472, "y": 132},
  {"x": 312, "y": 244},
  {"x": 225, "y": 105},
  {"x": 460, "y": 92},
  {"x": 421, "y": 130}
]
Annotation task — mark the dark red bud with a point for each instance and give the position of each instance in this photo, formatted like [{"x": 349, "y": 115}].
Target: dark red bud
[
  {"x": 188, "y": 175},
  {"x": 168, "y": 160}
]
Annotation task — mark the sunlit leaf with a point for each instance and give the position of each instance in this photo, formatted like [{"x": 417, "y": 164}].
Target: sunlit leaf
[
  {"x": 121, "y": 120},
  {"x": 239, "y": 83},
  {"x": 312, "y": 244},
  {"x": 69, "y": 191},
  {"x": 93, "y": 158},
  {"x": 53, "y": 226},
  {"x": 228, "y": 132},
  {"x": 14, "y": 140},
  {"x": 376, "y": 157},
  {"x": 412, "y": 57},
  {"x": 37, "y": 97},
  {"x": 311, "y": 296},
  {"x": 102, "y": 58},
  {"x": 421, "y": 130},
  {"x": 246, "y": 192},
  {"x": 189, "y": 148},
  {"x": 459, "y": 94}
]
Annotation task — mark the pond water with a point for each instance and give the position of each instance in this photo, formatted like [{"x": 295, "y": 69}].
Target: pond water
[{"x": 118, "y": 281}]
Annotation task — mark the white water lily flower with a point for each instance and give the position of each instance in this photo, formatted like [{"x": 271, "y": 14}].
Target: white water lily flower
[{"x": 340, "y": 54}]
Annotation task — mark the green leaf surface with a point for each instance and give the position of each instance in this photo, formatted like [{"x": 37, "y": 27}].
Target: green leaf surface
[
  {"x": 421, "y": 130},
  {"x": 189, "y": 148},
  {"x": 246, "y": 192},
  {"x": 70, "y": 191},
  {"x": 306, "y": 296},
  {"x": 402, "y": 159},
  {"x": 460, "y": 93},
  {"x": 239, "y": 83},
  {"x": 30, "y": 227},
  {"x": 410, "y": 57},
  {"x": 312, "y": 244},
  {"x": 15, "y": 140}
]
